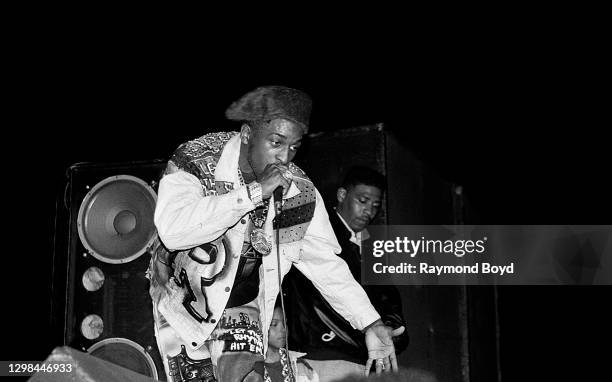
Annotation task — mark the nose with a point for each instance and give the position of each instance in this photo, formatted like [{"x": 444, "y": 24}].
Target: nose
[
  {"x": 368, "y": 211},
  {"x": 283, "y": 156}
]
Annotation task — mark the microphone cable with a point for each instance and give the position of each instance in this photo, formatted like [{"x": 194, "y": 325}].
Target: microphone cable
[{"x": 277, "y": 211}]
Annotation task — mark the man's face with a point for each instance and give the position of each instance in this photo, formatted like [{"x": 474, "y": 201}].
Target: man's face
[
  {"x": 358, "y": 205},
  {"x": 277, "y": 333},
  {"x": 275, "y": 142}
]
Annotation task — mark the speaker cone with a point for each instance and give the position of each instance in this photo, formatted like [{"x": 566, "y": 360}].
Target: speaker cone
[
  {"x": 126, "y": 353},
  {"x": 115, "y": 221}
]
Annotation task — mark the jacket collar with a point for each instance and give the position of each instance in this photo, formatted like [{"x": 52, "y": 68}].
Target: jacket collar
[{"x": 338, "y": 226}]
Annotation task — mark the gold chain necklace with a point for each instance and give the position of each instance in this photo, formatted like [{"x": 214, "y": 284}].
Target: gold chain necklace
[{"x": 258, "y": 221}]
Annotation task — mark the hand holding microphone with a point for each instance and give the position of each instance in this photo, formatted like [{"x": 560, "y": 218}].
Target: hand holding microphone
[{"x": 275, "y": 176}]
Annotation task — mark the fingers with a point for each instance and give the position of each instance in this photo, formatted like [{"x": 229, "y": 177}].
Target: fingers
[
  {"x": 279, "y": 170},
  {"x": 285, "y": 173},
  {"x": 398, "y": 331},
  {"x": 368, "y": 366},
  {"x": 285, "y": 184},
  {"x": 387, "y": 364},
  {"x": 393, "y": 358},
  {"x": 274, "y": 175},
  {"x": 379, "y": 366},
  {"x": 382, "y": 365}
]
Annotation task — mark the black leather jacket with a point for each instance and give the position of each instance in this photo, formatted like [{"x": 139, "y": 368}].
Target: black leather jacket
[{"x": 311, "y": 319}]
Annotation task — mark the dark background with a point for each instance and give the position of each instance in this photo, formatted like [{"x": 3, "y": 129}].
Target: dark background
[{"x": 519, "y": 127}]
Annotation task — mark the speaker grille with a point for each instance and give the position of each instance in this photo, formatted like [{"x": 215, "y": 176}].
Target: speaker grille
[
  {"x": 126, "y": 353},
  {"x": 115, "y": 220}
]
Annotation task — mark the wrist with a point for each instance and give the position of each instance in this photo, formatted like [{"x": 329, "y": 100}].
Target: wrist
[
  {"x": 255, "y": 193},
  {"x": 373, "y": 324}
]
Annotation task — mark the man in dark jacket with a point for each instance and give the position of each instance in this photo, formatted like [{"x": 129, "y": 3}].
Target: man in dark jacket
[{"x": 333, "y": 347}]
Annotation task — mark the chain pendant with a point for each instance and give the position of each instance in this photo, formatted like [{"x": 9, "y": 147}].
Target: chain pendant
[{"x": 261, "y": 241}]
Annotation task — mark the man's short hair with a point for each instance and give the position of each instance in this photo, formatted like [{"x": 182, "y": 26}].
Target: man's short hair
[{"x": 364, "y": 175}]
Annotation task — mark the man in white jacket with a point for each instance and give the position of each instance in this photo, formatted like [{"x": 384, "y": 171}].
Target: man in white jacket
[{"x": 215, "y": 270}]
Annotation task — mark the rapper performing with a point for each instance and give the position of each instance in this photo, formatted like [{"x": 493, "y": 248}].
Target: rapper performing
[{"x": 234, "y": 215}]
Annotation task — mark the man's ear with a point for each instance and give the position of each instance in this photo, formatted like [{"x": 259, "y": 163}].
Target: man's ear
[
  {"x": 245, "y": 133},
  {"x": 341, "y": 194}
]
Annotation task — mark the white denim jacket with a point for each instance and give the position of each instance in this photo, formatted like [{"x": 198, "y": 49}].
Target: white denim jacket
[{"x": 186, "y": 218}]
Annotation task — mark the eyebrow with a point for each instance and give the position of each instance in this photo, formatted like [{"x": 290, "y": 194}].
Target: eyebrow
[
  {"x": 367, "y": 196},
  {"x": 284, "y": 137}
]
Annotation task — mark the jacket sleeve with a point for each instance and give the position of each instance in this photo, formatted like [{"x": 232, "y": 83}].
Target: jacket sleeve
[
  {"x": 185, "y": 218},
  {"x": 330, "y": 274}
]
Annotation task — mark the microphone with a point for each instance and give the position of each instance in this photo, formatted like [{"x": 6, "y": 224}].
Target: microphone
[{"x": 278, "y": 199}]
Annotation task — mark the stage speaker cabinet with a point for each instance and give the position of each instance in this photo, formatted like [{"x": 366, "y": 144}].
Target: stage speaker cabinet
[
  {"x": 104, "y": 230},
  {"x": 415, "y": 193}
]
